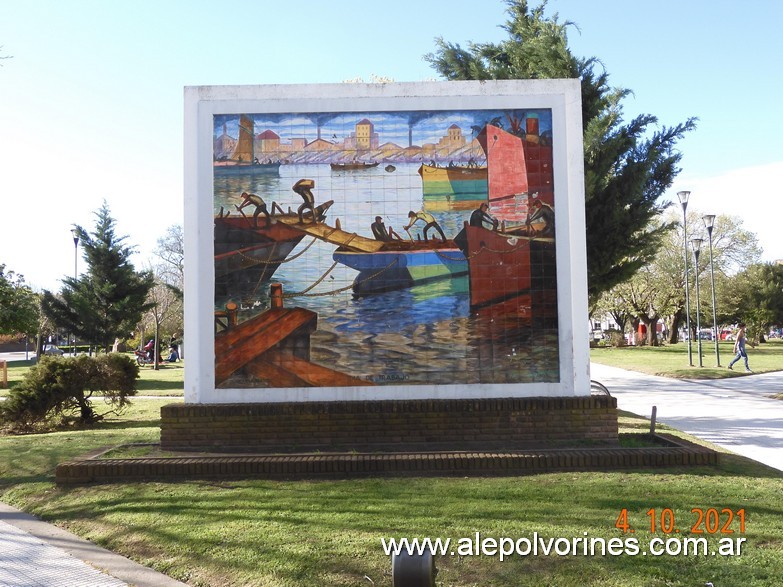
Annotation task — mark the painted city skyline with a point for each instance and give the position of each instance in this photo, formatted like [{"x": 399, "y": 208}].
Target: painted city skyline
[{"x": 425, "y": 130}]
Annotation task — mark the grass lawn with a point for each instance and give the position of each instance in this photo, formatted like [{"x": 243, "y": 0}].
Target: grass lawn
[
  {"x": 672, "y": 360},
  {"x": 325, "y": 533}
]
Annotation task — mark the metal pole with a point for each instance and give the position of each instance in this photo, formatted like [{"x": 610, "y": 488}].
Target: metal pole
[
  {"x": 75, "y": 234},
  {"x": 712, "y": 281},
  {"x": 696, "y": 244},
  {"x": 687, "y": 295}
]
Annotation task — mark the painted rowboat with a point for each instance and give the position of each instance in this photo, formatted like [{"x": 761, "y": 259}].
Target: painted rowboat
[{"x": 403, "y": 264}]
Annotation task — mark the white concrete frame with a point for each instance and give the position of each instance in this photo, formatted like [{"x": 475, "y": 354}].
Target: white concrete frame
[{"x": 561, "y": 96}]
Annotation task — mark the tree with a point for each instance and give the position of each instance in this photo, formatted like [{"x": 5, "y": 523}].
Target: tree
[
  {"x": 109, "y": 299},
  {"x": 171, "y": 272},
  {"x": 18, "y": 304},
  {"x": 171, "y": 252},
  {"x": 658, "y": 290},
  {"x": 649, "y": 298},
  {"x": 164, "y": 301},
  {"x": 733, "y": 247},
  {"x": 760, "y": 292},
  {"x": 627, "y": 166}
]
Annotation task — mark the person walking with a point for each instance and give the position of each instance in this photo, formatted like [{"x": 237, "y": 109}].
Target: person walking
[{"x": 739, "y": 348}]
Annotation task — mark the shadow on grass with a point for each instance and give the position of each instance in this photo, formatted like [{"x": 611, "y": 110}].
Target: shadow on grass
[
  {"x": 245, "y": 531},
  {"x": 123, "y": 424},
  {"x": 157, "y": 385}
]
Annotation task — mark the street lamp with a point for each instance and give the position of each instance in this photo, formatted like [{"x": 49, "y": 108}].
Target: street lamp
[
  {"x": 709, "y": 222},
  {"x": 75, "y": 234},
  {"x": 683, "y": 196},
  {"x": 696, "y": 244}
]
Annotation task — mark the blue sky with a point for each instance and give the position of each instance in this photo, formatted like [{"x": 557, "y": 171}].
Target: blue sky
[{"x": 91, "y": 104}]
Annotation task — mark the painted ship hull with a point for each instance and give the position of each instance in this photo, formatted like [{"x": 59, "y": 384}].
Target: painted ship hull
[
  {"x": 453, "y": 188},
  {"x": 246, "y": 256},
  {"x": 403, "y": 264},
  {"x": 510, "y": 273},
  {"x": 352, "y": 166}
]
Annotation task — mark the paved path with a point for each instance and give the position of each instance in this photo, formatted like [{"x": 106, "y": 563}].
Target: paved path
[
  {"x": 735, "y": 413},
  {"x": 27, "y": 561},
  {"x": 36, "y": 554}
]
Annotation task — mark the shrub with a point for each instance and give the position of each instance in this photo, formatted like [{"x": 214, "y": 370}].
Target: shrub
[
  {"x": 616, "y": 337},
  {"x": 58, "y": 391}
]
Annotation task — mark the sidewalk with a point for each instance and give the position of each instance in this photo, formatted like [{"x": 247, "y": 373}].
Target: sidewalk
[
  {"x": 36, "y": 554},
  {"x": 736, "y": 413}
]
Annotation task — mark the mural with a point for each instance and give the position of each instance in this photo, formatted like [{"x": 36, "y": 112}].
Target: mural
[{"x": 384, "y": 248}]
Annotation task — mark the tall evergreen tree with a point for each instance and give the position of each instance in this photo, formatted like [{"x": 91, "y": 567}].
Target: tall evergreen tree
[
  {"x": 110, "y": 298},
  {"x": 627, "y": 166}
]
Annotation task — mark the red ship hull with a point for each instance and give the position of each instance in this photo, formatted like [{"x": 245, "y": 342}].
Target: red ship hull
[{"x": 509, "y": 273}]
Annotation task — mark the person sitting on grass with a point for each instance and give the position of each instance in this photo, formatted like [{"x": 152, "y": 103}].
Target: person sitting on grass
[{"x": 173, "y": 355}]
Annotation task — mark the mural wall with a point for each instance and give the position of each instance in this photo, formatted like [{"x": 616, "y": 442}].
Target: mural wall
[{"x": 384, "y": 248}]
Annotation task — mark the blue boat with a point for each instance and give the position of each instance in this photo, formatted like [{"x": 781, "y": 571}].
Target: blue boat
[{"x": 403, "y": 264}]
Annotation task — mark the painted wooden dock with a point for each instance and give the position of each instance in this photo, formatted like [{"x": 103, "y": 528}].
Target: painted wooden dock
[
  {"x": 335, "y": 235},
  {"x": 275, "y": 347}
]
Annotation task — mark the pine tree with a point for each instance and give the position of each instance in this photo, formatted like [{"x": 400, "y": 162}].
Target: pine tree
[
  {"x": 110, "y": 298},
  {"x": 627, "y": 166}
]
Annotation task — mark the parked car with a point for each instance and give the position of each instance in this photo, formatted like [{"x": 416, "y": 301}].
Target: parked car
[{"x": 52, "y": 349}]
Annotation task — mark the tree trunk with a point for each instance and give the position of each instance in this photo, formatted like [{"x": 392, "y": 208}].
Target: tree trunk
[
  {"x": 652, "y": 334},
  {"x": 86, "y": 413},
  {"x": 156, "y": 352},
  {"x": 674, "y": 333}
]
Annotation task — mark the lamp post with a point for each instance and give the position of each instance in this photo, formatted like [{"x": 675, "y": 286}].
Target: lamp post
[
  {"x": 75, "y": 234},
  {"x": 709, "y": 222},
  {"x": 683, "y": 196},
  {"x": 696, "y": 244}
]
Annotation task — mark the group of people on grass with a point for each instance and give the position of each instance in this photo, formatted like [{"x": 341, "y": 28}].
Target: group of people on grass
[{"x": 173, "y": 357}]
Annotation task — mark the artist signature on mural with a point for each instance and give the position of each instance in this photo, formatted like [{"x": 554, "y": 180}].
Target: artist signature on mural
[{"x": 387, "y": 377}]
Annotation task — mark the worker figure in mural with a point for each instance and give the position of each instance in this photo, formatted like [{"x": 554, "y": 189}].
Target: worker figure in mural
[
  {"x": 380, "y": 232},
  {"x": 260, "y": 206},
  {"x": 481, "y": 215},
  {"x": 429, "y": 222},
  {"x": 304, "y": 187},
  {"x": 540, "y": 219}
]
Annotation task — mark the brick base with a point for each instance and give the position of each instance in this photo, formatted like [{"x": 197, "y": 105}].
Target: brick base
[
  {"x": 510, "y": 423},
  {"x": 671, "y": 452}
]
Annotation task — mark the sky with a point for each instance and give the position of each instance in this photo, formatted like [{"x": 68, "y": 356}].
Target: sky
[{"x": 91, "y": 96}]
